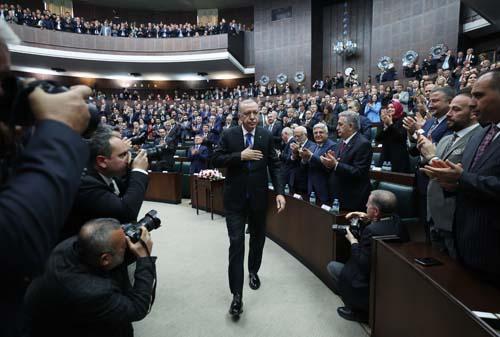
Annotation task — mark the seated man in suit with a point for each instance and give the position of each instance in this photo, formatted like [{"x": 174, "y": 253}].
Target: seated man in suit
[
  {"x": 441, "y": 204},
  {"x": 198, "y": 155},
  {"x": 86, "y": 284},
  {"x": 108, "y": 188},
  {"x": 350, "y": 165},
  {"x": 352, "y": 280},
  {"x": 317, "y": 177}
]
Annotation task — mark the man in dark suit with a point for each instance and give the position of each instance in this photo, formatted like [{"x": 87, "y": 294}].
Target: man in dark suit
[
  {"x": 107, "y": 188},
  {"x": 274, "y": 126},
  {"x": 477, "y": 184},
  {"x": 36, "y": 199},
  {"x": 434, "y": 128},
  {"x": 86, "y": 284},
  {"x": 317, "y": 177},
  {"x": 349, "y": 179},
  {"x": 352, "y": 280},
  {"x": 248, "y": 153},
  {"x": 198, "y": 155}
]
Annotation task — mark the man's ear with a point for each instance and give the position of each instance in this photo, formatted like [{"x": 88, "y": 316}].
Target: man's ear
[
  {"x": 101, "y": 162},
  {"x": 105, "y": 260}
]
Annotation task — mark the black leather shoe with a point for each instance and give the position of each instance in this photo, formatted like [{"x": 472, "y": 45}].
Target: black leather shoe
[
  {"x": 352, "y": 315},
  {"x": 236, "y": 307},
  {"x": 254, "y": 281}
]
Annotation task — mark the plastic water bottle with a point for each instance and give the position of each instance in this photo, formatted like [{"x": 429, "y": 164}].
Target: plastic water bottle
[
  {"x": 287, "y": 189},
  {"x": 372, "y": 164},
  {"x": 335, "y": 207},
  {"x": 385, "y": 166},
  {"x": 312, "y": 198},
  {"x": 270, "y": 186},
  {"x": 389, "y": 166}
]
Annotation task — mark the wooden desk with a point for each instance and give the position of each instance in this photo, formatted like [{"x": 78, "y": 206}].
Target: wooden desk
[
  {"x": 407, "y": 179},
  {"x": 305, "y": 231},
  {"x": 415, "y": 301},
  {"x": 165, "y": 187},
  {"x": 207, "y": 195}
]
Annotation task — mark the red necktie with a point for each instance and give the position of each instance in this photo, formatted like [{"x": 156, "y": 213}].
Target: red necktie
[{"x": 488, "y": 138}]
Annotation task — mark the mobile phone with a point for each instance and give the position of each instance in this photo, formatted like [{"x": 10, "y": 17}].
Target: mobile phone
[{"x": 428, "y": 261}]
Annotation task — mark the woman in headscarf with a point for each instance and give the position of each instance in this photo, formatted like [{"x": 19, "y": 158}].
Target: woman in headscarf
[{"x": 392, "y": 136}]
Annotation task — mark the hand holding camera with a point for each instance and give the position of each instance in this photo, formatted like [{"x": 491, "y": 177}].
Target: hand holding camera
[
  {"x": 67, "y": 107},
  {"x": 141, "y": 161},
  {"x": 138, "y": 248}
]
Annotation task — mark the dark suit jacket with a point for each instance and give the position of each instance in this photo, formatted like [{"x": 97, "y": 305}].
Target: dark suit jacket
[
  {"x": 299, "y": 173},
  {"x": 317, "y": 177},
  {"x": 287, "y": 163},
  {"x": 33, "y": 206},
  {"x": 199, "y": 160},
  {"x": 477, "y": 224},
  {"x": 88, "y": 302},
  {"x": 95, "y": 199},
  {"x": 276, "y": 133},
  {"x": 350, "y": 181},
  {"x": 394, "y": 150},
  {"x": 242, "y": 180},
  {"x": 354, "y": 282}
]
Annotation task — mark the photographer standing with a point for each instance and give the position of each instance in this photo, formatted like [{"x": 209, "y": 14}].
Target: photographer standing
[
  {"x": 37, "y": 196},
  {"x": 352, "y": 280},
  {"x": 107, "y": 188},
  {"x": 86, "y": 285}
]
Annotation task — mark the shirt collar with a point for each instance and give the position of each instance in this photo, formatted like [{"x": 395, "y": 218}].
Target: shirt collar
[
  {"x": 245, "y": 131},
  {"x": 465, "y": 131},
  {"x": 442, "y": 118},
  {"x": 349, "y": 139},
  {"x": 107, "y": 180}
]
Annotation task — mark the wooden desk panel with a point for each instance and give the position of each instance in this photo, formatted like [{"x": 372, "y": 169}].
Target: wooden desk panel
[
  {"x": 411, "y": 300},
  {"x": 305, "y": 232},
  {"x": 165, "y": 187},
  {"x": 406, "y": 179}
]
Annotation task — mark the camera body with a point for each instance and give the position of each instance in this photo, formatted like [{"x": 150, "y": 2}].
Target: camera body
[
  {"x": 133, "y": 229},
  {"x": 355, "y": 227},
  {"x": 15, "y": 108}
]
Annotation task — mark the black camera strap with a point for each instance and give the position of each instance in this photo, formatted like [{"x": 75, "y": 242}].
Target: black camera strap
[{"x": 153, "y": 293}]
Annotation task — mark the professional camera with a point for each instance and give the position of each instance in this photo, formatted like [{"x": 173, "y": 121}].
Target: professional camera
[
  {"x": 354, "y": 227},
  {"x": 157, "y": 152},
  {"x": 14, "y": 103},
  {"x": 133, "y": 229}
]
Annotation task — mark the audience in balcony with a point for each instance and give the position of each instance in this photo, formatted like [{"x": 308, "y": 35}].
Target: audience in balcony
[{"x": 51, "y": 21}]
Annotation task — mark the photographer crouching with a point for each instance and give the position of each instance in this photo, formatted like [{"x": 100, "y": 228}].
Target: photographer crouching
[
  {"x": 352, "y": 280},
  {"x": 113, "y": 185},
  {"x": 39, "y": 178},
  {"x": 86, "y": 291}
]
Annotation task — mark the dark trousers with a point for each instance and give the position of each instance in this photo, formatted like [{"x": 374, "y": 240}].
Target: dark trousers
[{"x": 236, "y": 231}]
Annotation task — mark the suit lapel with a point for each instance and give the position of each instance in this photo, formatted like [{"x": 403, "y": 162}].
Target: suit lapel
[
  {"x": 471, "y": 148},
  {"x": 488, "y": 153},
  {"x": 349, "y": 146}
]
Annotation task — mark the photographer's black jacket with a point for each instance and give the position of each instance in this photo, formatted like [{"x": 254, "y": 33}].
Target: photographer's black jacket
[
  {"x": 354, "y": 280},
  {"x": 96, "y": 199},
  {"x": 33, "y": 207},
  {"x": 72, "y": 299}
]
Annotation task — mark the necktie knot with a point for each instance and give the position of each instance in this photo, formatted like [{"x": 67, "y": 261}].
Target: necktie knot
[{"x": 249, "y": 139}]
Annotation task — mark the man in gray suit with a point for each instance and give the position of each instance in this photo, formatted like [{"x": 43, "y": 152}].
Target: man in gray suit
[
  {"x": 477, "y": 183},
  {"x": 440, "y": 203}
]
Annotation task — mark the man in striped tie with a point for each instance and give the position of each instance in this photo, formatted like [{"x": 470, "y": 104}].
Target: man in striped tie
[{"x": 477, "y": 184}]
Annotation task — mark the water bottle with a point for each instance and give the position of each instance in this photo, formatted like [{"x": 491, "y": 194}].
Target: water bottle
[
  {"x": 384, "y": 166},
  {"x": 389, "y": 166},
  {"x": 335, "y": 207},
  {"x": 372, "y": 164},
  {"x": 270, "y": 186},
  {"x": 312, "y": 198},
  {"x": 287, "y": 189}
]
